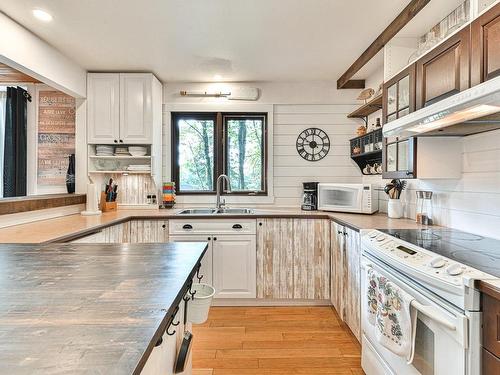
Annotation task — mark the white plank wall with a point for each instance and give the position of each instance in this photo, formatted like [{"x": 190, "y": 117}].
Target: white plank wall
[
  {"x": 471, "y": 203},
  {"x": 290, "y": 170}
]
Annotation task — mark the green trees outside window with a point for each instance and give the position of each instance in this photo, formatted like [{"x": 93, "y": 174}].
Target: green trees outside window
[{"x": 205, "y": 145}]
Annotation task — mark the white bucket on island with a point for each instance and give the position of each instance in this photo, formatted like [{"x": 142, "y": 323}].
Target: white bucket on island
[{"x": 199, "y": 305}]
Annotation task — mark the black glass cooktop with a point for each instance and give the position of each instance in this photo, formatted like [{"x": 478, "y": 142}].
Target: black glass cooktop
[{"x": 479, "y": 252}]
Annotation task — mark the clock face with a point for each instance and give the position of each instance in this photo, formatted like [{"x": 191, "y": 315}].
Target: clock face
[{"x": 313, "y": 144}]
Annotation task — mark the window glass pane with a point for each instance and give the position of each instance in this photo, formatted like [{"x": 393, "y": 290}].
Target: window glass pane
[
  {"x": 196, "y": 154},
  {"x": 404, "y": 93},
  {"x": 391, "y": 99},
  {"x": 391, "y": 157},
  {"x": 403, "y": 156},
  {"x": 403, "y": 112},
  {"x": 244, "y": 153}
]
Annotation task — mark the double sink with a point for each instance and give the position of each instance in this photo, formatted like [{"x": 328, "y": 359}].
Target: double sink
[{"x": 214, "y": 211}]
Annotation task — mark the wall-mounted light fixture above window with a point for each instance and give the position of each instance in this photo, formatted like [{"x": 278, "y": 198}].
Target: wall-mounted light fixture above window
[{"x": 42, "y": 15}]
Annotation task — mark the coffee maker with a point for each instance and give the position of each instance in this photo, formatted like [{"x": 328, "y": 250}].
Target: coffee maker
[{"x": 310, "y": 196}]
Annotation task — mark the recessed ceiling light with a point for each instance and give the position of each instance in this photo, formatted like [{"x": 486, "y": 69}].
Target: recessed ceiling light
[{"x": 42, "y": 15}]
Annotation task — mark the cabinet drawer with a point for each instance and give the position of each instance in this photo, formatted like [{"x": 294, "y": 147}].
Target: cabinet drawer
[
  {"x": 212, "y": 226},
  {"x": 491, "y": 324}
]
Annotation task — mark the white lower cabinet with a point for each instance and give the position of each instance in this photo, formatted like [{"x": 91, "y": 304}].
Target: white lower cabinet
[
  {"x": 234, "y": 266},
  {"x": 206, "y": 262},
  {"x": 229, "y": 264}
]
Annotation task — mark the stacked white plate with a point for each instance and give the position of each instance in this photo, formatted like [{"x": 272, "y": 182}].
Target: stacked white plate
[
  {"x": 121, "y": 151},
  {"x": 139, "y": 168},
  {"x": 103, "y": 150},
  {"x": 137, "y": 150}
]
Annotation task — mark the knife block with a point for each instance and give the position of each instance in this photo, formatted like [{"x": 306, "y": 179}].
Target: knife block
[{"x": 107, "y": 206}]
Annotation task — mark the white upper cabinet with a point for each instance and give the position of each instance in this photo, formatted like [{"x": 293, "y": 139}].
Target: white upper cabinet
[
  {"x": 136, "y": 114},
  {"x": 121, "y": 108},
  {"x": 103, "y": 108}
]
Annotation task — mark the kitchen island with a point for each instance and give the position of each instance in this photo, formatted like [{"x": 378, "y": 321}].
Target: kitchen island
[{"x": 89, "y": 308}]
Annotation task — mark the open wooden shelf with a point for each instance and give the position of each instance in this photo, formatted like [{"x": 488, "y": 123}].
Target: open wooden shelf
[
  {"x": 367, "y": 109},
  {"x": 121, "y": 172}
]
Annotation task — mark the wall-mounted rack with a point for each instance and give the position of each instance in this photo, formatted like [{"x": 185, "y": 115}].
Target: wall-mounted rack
[{"x": 367, "y": 149}]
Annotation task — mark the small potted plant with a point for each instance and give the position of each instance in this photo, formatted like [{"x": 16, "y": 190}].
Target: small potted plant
[{"x": 394, "y": 189}]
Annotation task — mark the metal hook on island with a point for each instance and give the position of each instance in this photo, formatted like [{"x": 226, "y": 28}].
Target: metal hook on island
[{"x": 198, "y": 273}]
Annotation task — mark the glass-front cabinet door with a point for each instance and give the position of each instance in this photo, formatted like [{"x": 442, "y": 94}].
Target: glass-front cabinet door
[
  {"x": 398, "y": 158},
  {"x": 399, "y": 95}
]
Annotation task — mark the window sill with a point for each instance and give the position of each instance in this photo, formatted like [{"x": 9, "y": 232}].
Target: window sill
[{"x": 230, "y": 199}]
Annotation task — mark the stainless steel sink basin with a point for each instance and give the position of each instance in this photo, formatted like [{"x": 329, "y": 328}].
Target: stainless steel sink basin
[
  {"x": 213, "y": 211},
  {"x": 236, "y": 211},
  {"x": 197, "y": 211}
]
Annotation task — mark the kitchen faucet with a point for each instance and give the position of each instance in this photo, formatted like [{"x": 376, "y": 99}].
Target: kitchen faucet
[{"x": 218, "y": 203}]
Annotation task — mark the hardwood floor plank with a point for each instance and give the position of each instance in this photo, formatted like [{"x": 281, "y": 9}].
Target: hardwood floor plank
[
  {"x": 203, "y": 371},
  {"x": 318, "y": 343},
  {"x": 296, "y": 340},
  {"x": 297, "y": 371},
  {"x": 278, "y": 353}
]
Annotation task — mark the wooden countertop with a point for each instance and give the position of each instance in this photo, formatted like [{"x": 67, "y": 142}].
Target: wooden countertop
[
  {"x": 88, "y": 309},
  {"x": 68, "y": 227}
]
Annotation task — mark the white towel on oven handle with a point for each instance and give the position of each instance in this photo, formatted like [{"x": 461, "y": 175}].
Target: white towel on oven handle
[{"x": 392, "y": 314}]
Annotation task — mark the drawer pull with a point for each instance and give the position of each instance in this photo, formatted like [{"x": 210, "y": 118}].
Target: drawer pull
[
  {"x": 187, "y": 226},
  {"x": 237, "y": 226},
  {"x": 164, "y": 226}
]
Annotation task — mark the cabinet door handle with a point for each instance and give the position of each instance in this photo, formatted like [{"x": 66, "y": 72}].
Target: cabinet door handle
[
  {"x": 121, "y": 140},
  {"x": 260, "y": 224},
  {"x": 115, "y": 141},
  {"x": 209, "y": 238},
  {"x": 164, "y": 226},
  {"x": 215, "y": 238},
  {"x": 340, "y": 232},
  {"x": 187, "y": 226},
  {"x": 237, "y": 226},
  {"x": 346, "y": 234}
]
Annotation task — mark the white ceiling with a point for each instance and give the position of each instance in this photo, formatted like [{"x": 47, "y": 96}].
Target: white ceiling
[{"x": 194, "y": 40}]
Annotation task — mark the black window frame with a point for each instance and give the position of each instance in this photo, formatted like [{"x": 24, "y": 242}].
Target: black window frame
[{"x": 220, "y": 149}]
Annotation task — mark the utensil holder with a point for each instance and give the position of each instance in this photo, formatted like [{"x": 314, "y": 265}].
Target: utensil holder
[
  {"x": 395, "y": 209},
  {"x": 107, "y": 206}
]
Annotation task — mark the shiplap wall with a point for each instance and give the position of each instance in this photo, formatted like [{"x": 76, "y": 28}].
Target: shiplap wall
[
  {"x": 290, "y": 170},
  {"x": 471, "y": 203}
]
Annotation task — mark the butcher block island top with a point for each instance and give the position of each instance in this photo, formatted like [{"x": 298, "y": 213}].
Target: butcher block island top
[{"x": 88, "y": 308}]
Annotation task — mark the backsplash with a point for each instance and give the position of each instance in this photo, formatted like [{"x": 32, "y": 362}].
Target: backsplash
[{"x": 470, "y": 203}]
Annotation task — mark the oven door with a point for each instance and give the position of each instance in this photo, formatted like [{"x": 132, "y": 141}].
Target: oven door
[
  {"x": 441, "y": 333},
  {"x": 342, "y": 198}
]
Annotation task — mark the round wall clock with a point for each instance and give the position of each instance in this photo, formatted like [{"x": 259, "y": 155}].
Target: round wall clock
[{"x": 313, "y": 144}]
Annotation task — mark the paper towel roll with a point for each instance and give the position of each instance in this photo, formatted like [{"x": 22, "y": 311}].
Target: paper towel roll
[{"x": 92, "y": 205}]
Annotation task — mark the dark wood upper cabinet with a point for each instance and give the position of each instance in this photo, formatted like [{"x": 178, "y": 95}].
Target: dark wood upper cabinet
[
  {"x": 444, "y": 71},
  {"x": 399, "y": 95},
  {"x": 485, "y": 50}
]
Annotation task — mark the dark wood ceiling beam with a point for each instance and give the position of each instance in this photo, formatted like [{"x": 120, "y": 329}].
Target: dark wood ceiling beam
[{"x": 411, "y": 10}]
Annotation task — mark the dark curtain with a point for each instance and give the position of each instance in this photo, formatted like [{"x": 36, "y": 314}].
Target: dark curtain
[{"x": 15, "y": 163}]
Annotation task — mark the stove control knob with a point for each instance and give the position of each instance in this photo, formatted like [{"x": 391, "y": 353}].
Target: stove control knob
[
  {"x": 380, "y": 237},
  {"x": 454, "y": 269},
  {"x": 437, "y": 262},
  {"x": 372, "y": 234}
]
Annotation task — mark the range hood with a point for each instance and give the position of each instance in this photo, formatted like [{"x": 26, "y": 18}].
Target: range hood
[{"x": 472, "y": 111}]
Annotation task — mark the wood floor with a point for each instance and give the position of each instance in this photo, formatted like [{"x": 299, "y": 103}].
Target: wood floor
[{"x": 274, "y": 341}]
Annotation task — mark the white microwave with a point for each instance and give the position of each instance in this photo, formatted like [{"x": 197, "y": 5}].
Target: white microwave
[{"x": 355, "y": 198}]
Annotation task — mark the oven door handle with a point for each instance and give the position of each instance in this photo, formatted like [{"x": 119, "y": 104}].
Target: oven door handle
[{"x": 434, "y": 314}]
